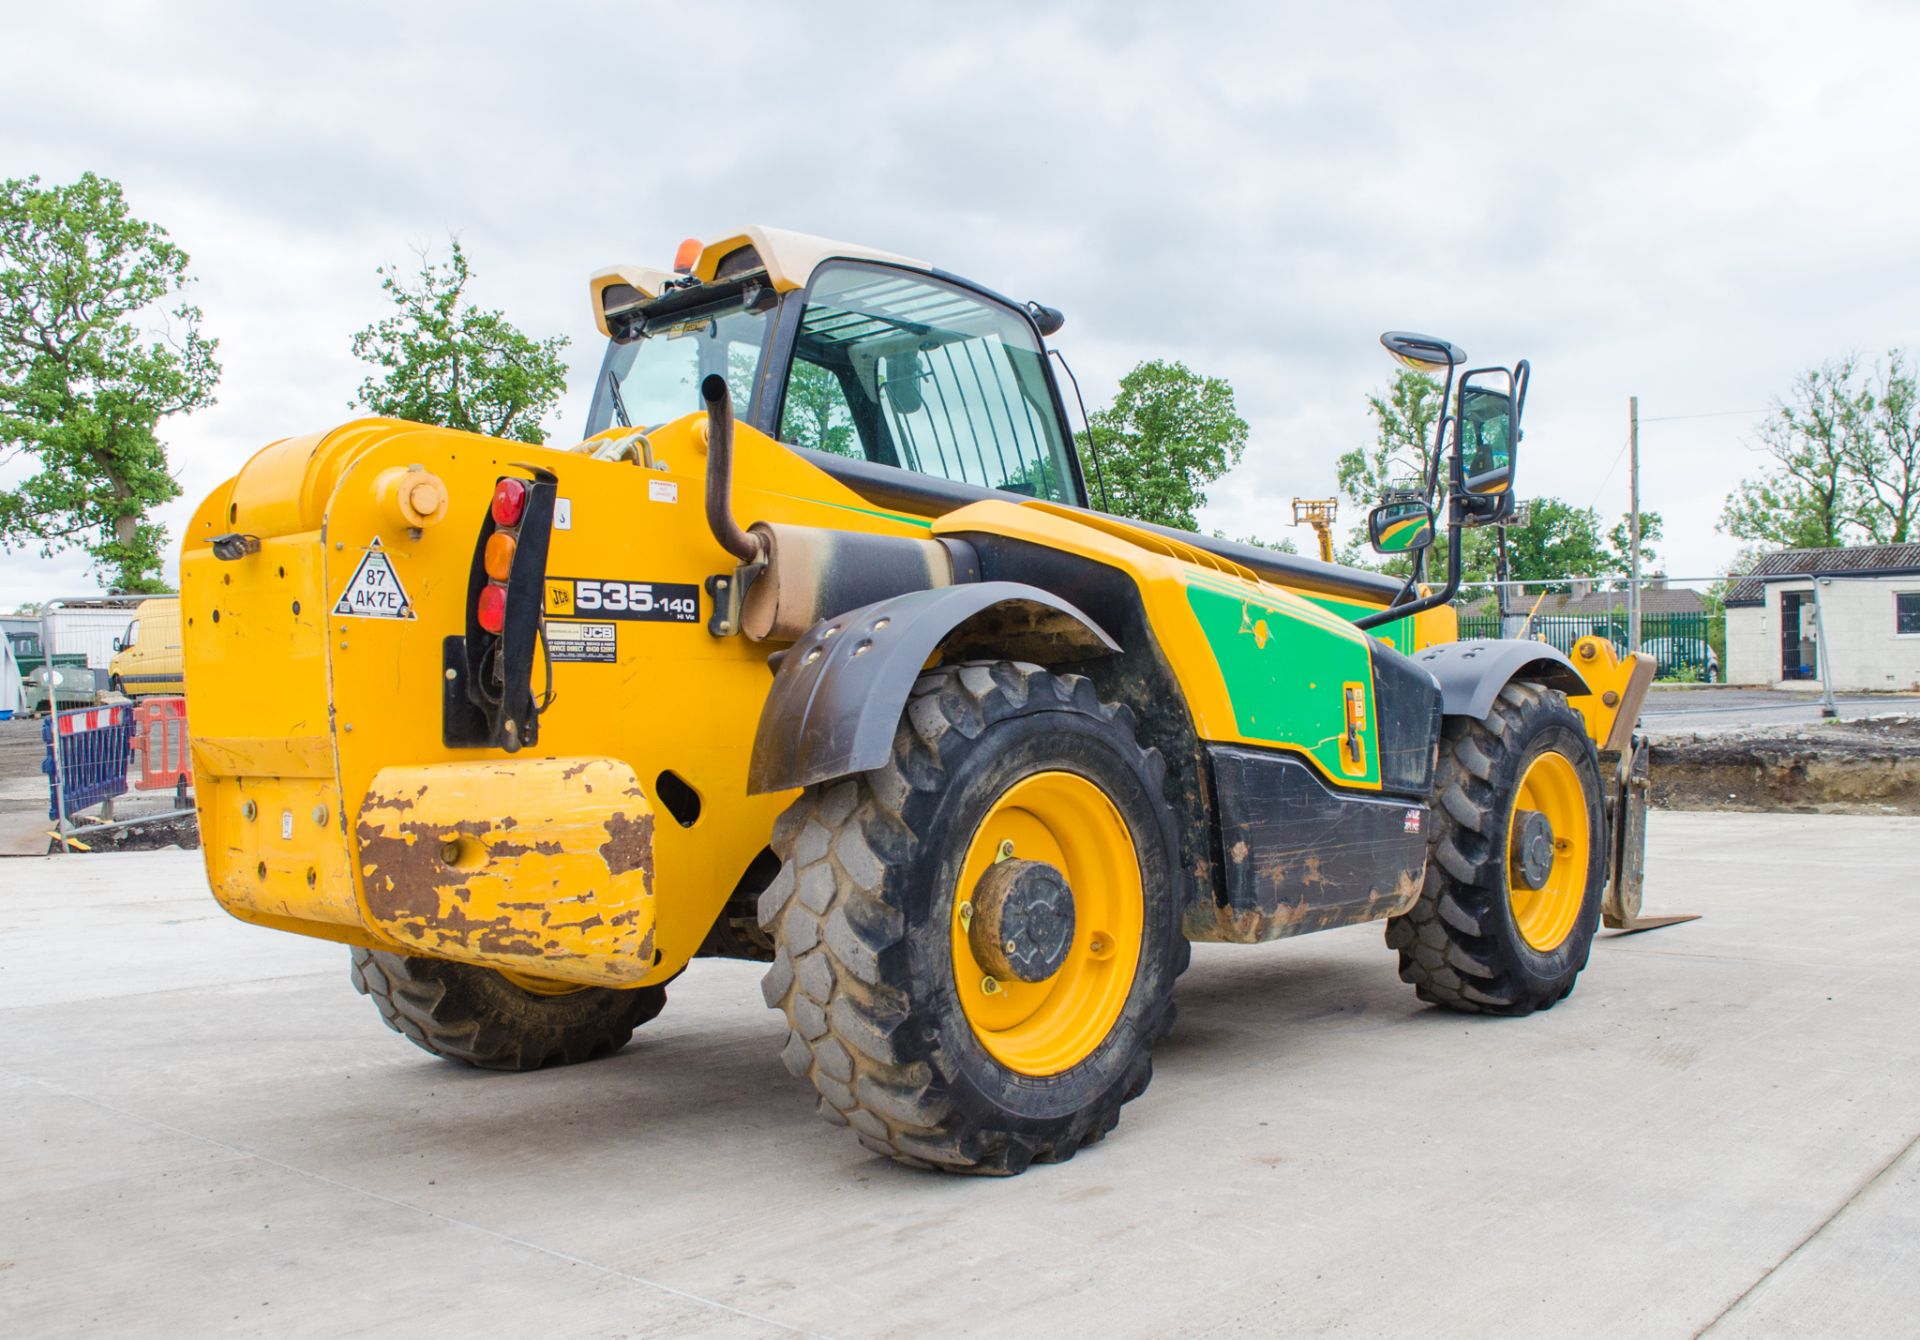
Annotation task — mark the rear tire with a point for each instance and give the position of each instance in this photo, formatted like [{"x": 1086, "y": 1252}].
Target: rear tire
[
  {"x": 868, "y": 964},
  {"x": 477, "y": 1017},
  {"x": 1464, "y": 944}
]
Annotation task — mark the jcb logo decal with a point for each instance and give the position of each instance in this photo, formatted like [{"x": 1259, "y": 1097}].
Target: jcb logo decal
[{"x": 654, "y": 602}]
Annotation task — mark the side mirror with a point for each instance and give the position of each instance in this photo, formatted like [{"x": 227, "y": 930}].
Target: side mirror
[
  {"x": 1423, "y": 353},
  {"x": 119, "y": 644},
  {"x": 1489, "y": 431},
  {"x": 1403, "y": 526}
]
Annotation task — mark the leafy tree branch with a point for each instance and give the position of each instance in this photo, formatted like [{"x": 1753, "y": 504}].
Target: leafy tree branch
[
  {"x": 84, "y": 384},
  {"x": 437, "y": 358}
]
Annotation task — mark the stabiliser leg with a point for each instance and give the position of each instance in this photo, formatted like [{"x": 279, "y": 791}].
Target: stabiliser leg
[{"x": 1620, "y": 909}]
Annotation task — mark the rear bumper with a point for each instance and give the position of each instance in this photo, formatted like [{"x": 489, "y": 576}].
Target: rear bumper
[{"x": 542, "y": 866}]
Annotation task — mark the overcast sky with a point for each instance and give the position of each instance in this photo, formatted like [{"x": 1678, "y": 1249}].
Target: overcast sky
[{"x": 1686, "y": 202}]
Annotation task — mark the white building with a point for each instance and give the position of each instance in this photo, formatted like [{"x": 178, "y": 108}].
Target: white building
[{"x": 1868, "y": 601}]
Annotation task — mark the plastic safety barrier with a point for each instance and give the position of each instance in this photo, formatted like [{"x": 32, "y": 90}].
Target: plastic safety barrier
[
  {"x": 160, "y": 741},
  {"x": 96, "y": 744}
]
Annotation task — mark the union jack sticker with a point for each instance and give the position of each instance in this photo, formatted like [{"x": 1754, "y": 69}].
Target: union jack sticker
[{"x": 1411, "y": 824}]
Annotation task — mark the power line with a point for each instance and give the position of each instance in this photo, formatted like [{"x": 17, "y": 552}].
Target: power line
[
  {"x": 1610, "y": 469},
  {"x": 1712, "y": 414}
]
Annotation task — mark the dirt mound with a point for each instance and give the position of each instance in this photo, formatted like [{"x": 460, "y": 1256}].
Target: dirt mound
[{"x": 1865, "y": 766}]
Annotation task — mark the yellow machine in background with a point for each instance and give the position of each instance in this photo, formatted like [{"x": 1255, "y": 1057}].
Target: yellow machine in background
[
  {"x": 1320, "y": 514},
  {"x": 148, "y": 658},
  {"x": 815, "y": 652}
]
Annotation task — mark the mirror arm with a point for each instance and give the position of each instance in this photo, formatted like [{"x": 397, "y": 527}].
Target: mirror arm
[{"x": 1395, "y": 608}]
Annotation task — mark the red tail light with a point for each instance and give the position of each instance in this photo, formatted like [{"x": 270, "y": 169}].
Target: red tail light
[
  {"x": 509, "y": 501},
  {"x": 492, "y": 610}
]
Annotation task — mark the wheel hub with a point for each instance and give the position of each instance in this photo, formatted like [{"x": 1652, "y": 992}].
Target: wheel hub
[
  {"x": 1022, "y": 925},
  {"x": 1532, "y": 848}
]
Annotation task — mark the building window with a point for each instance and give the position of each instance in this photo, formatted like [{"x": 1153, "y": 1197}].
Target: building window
[{"x": 1906, "y": 613}]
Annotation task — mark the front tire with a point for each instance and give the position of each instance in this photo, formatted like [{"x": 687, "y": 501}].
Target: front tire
[
  {"x": 937, "y": 1048},
  {"x": 1504, "y": 923},
  {"x": 481, "y": 1018}
]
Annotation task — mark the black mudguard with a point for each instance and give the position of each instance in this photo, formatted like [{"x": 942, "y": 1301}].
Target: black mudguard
[
  {"x": 839, "y": 692},
  {"x": 1472, "y": 673}
]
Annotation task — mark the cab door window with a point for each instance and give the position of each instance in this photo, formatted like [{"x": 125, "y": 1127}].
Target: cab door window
[{"x": 906, "y": 370}]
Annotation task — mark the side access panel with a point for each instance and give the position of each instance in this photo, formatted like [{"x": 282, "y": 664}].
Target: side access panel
[{"x": 1299, "y": 856}]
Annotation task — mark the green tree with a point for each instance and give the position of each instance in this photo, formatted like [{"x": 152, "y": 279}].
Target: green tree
[
  {"x": 1620, "y": 544},
  {"x": 1402, "y": 450},
  {"x": 90, "y": 364},
  {"x": 440, "y": 359},
  {"x": 1846, "y": 461},
  {"x": 1558, "y": 541},
  {"x": 815, "y": 413},
  {"x": 1810, "y": 496},
  {"x": 1886, "y": 457},
  {"x": 1168, "y": 434}
]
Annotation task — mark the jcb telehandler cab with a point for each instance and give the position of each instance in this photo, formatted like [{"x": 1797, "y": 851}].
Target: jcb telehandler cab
[{"x": 820, "y": 651}]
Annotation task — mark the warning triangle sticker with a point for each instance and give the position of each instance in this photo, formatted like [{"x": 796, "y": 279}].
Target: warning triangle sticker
[{"x": 374, "y": 590}]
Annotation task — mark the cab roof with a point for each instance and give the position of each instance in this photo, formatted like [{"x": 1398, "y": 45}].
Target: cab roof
[{"x": 788, "y": 258}]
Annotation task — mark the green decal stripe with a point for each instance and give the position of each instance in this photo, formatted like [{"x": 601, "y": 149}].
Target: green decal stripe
[
  {"x": 1288, "y": 692},
  {"x": 924, "y": 523}
]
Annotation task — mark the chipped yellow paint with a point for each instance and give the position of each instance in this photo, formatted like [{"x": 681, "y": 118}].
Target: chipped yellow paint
[{"x": 517, "y": 864}]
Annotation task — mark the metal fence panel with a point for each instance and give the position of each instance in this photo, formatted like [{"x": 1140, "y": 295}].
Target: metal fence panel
[
  {"x": 1686, "y": 645},
  {"x": 95, "y": 746}
]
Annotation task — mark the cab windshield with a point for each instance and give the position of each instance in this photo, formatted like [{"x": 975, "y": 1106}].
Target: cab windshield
[
  {"x": 656, "y": 378},
  {"x": 905, "y": 369},
  {"x": 894, "y": 367}
]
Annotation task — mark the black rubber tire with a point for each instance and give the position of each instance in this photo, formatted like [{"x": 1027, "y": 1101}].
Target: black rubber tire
[
  {"x": 475, "y": 1016},
  {"x": 861, "y": 909},
  {"x": 1458, "y": 945}
]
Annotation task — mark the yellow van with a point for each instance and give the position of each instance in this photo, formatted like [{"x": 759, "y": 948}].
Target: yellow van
[{"x": 147, "y": 656}]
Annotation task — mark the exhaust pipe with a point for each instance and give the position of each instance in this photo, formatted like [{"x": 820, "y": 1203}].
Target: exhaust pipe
[{"x": 741, "y": 544}]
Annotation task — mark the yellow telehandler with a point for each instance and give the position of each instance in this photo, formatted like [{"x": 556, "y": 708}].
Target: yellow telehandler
[{"x": 822, "y": 650}]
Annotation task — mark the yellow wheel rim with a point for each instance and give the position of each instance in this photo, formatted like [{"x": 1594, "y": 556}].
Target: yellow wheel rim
[
  {"x": 539, "y": 986},
  {"x": 1046, "y": 1027},
  {"x": 1546, "y": 915}
]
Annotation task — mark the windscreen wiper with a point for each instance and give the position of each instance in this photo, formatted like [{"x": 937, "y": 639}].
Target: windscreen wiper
[{"x": 619, "y": 405}]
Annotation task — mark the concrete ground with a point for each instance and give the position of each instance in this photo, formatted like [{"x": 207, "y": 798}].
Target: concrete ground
[
  {"x": 203, "y": 1131},
  {"x": 1703, "y": 707}
]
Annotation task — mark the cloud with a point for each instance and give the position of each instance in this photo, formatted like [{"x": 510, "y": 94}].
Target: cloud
[{"x": 1682, "y": 202}]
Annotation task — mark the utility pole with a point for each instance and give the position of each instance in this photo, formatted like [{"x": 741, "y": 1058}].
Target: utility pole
[{"x": 1633, "y": 523}]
